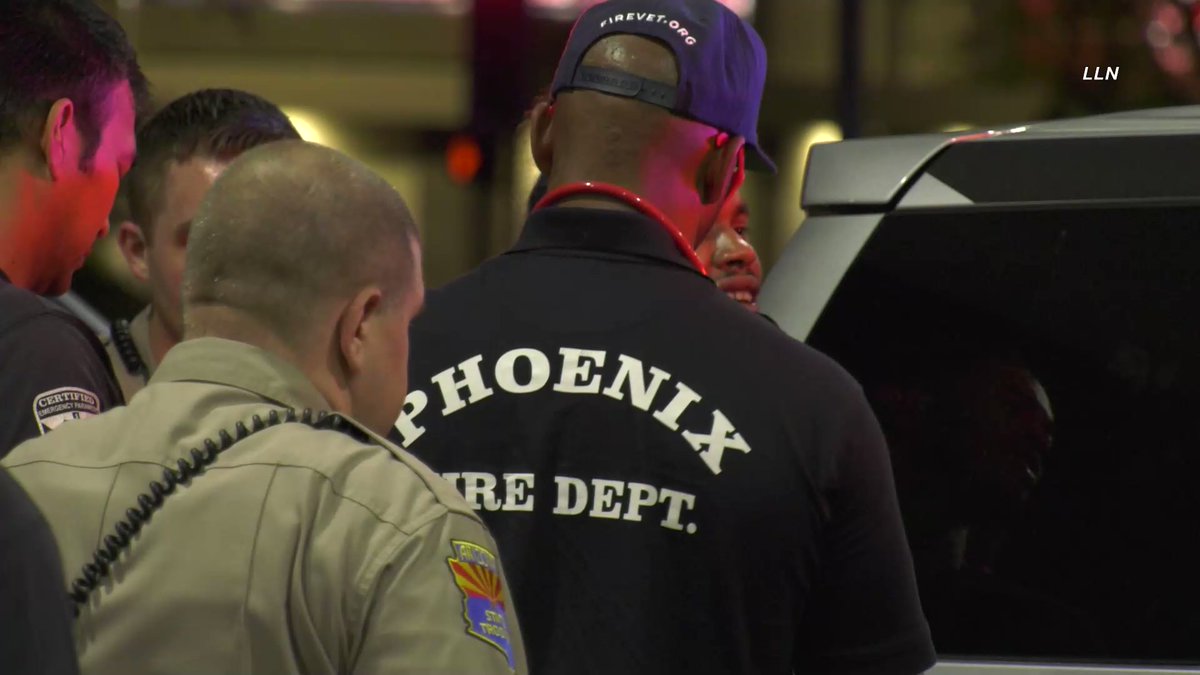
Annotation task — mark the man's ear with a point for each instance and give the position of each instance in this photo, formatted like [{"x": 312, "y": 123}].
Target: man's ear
[
  {"x": 541, "y": 145},
  {"x": 720, "y": 168},
  {"x": 354, "y": 327},
  {"x": 132, "y": 242},
  {"x": 60, "y": 138}
]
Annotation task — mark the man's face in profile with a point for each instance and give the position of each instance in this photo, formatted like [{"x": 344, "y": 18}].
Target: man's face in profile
[
  {"x": 184, "y": 185},
  {"x": 731, "y": 260},
  {"x": 85, "y": 192},
  {"x": 385, "y": 380}
]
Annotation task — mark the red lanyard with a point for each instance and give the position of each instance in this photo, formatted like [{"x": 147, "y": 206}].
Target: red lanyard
[{"x": 621, "y": 194}]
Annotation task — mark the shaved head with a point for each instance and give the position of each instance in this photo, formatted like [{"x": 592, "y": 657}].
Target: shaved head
[
  {"x": 681, "y": 166},
  {"x": 610, "y": 133},
  {"x": 635, "y": 55},
  {"x": 291, "y": 227}
]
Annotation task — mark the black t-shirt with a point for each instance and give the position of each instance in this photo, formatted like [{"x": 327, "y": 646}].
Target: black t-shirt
[
  {"x": 35, "y": 619},
  {"x": 675, "y": 485},
  {"x": 52, "y": 368}
]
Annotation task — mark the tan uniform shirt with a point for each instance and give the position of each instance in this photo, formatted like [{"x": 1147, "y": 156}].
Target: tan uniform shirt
[
  {"x": 296, "y": 551},
  {"x": 126, "y": 368}
]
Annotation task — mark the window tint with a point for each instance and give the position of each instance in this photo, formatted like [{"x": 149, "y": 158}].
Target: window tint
[{"x": 1037, "y": 375}]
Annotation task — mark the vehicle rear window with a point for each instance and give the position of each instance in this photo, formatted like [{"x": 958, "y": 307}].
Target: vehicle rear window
[{"x": 1037, "y": 374}]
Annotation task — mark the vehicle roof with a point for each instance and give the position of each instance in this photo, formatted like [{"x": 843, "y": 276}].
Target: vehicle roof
[{"x": 1073, "y": 159}]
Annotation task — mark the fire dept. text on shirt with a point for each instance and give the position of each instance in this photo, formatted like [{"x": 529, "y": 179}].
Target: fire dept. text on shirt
[{"x": 570, "y": 496}]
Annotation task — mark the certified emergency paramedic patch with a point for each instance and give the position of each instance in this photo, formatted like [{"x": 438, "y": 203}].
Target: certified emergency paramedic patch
[
  {"x": 477, "y": 574},
  {"x": 52, "y": 408}
]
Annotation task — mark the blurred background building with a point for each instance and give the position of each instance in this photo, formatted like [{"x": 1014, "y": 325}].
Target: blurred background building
[{"x": 431, "y": 93}]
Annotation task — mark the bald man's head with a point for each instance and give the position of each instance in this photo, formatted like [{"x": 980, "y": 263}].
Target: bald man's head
[
  {"x": 609, "y": 133},
  {"x": 291, "y": 226},
  {"x": 680, "y": 165}
]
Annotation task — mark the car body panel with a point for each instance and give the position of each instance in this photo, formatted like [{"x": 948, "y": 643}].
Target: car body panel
[{"x": 852, "y": 186}]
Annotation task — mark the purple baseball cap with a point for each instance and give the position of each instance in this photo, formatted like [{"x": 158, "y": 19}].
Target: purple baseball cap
[{"x": 722, "y": 63}]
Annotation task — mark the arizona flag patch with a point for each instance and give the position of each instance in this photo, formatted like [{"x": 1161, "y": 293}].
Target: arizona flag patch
[
  {"x": 52, "y": 408},
  {"x": 477, "y": 574}
]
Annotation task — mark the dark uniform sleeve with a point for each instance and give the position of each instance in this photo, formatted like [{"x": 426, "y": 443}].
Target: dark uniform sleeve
[
  {"x": 865, "y": 615},
  {"x": 52, "y": 370},
  {"x": 35, "y": 621}
]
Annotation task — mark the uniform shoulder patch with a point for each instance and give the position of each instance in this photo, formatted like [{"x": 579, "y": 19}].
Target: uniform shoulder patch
[
  {"x": 52, "y": 408},
  {"x": 477, "y": 574}
]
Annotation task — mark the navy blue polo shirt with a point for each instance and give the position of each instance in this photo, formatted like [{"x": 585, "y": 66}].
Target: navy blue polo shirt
[
  {"x": 53, "y": 369},
  {"x": 675, "y": 485}
]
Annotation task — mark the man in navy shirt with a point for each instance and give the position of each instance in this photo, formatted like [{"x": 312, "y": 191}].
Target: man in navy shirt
[
  {"x": 69, "y": 91},
  {"x": 660, "y": 508}
]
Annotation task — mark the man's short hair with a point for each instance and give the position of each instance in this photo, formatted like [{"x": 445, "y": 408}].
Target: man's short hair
[
  {"x": 211, "y": 123},
  {"x": 53, "y": 49},
  {"x": 290, "y": 225}
]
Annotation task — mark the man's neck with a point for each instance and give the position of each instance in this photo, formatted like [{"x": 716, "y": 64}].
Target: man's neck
[
  {"x": 606, "y": 202},
  {"x": 17, "y": 198},
  {"x": 161, "y": 337},
  {"x": 578, "y": 176},
  {"x": 314, "y": 361}
]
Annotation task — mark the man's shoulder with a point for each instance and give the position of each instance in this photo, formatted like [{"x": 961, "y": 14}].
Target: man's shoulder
[
  {"x": 789, "y": 369},
  {"x": 711, "y": 326},
  {"x": 26, "y": 311},
  {"x": 355, "y": 466},
  {"x": 52, "y": 368},
  {"x": 445, "y": 302},
  {"x": 361, "y": 467},
  {"x": 463, "y": 309},
  {"x": 746, "y": 345},
  {"x": 41, "y": 327},
  {"x": 76, "y": 443}
]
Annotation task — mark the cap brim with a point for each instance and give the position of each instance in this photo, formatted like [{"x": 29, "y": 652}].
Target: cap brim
[{"x": 757, "y": 160}]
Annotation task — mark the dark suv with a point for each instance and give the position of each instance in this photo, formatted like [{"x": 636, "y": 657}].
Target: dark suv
[{"x": 1022, "y": 308}]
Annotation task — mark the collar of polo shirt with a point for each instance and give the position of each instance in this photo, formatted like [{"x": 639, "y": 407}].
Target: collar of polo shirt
[{"x": 619, "y": 232}]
